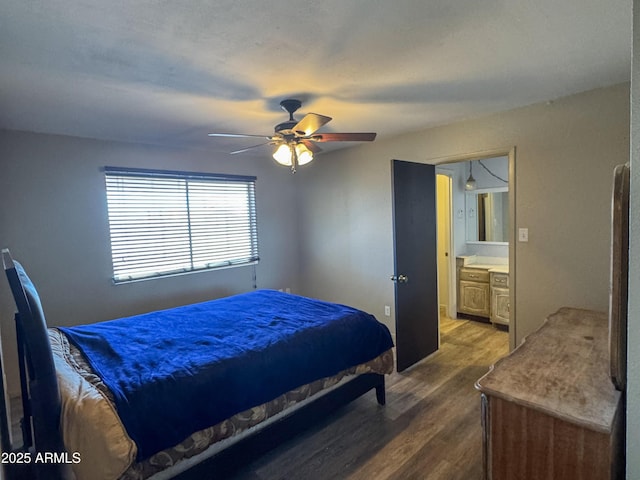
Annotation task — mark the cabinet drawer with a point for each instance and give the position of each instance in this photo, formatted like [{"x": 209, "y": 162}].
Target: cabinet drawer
[
  {"x": 500, "y": 280},
  {"x": 474, "y": 275}
]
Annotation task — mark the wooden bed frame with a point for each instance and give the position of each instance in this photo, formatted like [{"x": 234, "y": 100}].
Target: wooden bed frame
[{"x": 41, "y": 402}]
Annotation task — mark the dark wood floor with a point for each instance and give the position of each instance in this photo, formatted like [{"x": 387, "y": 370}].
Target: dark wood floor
[{"x": 429, "y": 428}]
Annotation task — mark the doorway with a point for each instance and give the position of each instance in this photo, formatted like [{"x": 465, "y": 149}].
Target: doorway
[
  {"x": 490, "y": 176},
  {"x": 404, "y": 300}
]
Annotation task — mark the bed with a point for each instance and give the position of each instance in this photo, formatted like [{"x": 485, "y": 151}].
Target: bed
[{"x": 185, "y": 392}]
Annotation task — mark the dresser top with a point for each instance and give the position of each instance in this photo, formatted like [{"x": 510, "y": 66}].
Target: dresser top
[{"x": 561, "y": 370}]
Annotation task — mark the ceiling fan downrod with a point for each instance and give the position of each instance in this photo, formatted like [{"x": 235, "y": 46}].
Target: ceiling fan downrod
[{"x": 290, "y": 105}]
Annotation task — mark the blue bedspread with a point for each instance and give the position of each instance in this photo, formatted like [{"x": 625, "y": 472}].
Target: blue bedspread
[{"x": 176, "y": 371}]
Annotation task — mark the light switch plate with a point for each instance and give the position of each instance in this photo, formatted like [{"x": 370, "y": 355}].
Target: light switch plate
[{"x": 523, "y": 234}]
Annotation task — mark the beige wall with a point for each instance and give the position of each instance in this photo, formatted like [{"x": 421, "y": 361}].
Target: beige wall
[
  {"x": 565, "y": 154},
  {"x": 336, "y": 233},
  {"x": 53, "y": 219}
]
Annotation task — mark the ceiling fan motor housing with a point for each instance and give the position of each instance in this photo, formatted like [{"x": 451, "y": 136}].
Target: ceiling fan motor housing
[{"x": 286, "y": 128}]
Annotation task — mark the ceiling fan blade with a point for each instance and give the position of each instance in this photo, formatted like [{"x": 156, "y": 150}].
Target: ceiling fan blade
[
  {"x": 239, "y": 135},
  {"x": 343, "y": 137},
  {"x": 311, "y": 146},
  {"x": 250, "y": 148},
  {"x": 310, "y": 123}
]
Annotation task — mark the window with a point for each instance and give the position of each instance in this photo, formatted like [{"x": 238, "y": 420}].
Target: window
[{"x": 167, "y": 223}]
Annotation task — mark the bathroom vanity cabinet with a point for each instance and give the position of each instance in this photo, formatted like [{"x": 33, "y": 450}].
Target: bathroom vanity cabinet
[{"x": 483, "y": 290}]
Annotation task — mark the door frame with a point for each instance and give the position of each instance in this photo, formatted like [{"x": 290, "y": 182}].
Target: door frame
[
  {"x": 452, "y": 303},
  {"x": 510, "y": 153}
]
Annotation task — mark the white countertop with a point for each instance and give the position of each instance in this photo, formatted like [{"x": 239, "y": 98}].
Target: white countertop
[
  {"x": 490, "y": 267},
  {"x": 492, "y": 264}
]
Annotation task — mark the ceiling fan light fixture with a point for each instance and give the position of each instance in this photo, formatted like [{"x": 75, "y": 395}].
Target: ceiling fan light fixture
[
  {"x": 283, "y": 155},
  {"x": 303, "y": 153},
  {"x": 297, "y": 139}
]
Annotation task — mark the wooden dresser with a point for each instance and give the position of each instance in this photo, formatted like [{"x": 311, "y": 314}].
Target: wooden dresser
[{"x": 550, "y": 410}]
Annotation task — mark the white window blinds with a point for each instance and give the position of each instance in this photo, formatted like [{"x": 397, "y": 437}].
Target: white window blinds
[{"x": 167, "y": 223}]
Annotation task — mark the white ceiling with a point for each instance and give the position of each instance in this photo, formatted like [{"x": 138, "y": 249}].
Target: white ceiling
[{"x": 168, "y": 72}]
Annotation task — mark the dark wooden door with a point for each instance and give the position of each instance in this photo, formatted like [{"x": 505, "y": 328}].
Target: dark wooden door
[{"x": 415, "y": 256}]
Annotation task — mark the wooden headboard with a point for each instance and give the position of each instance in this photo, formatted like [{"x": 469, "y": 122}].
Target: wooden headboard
[{"x": 41, "y": 397}]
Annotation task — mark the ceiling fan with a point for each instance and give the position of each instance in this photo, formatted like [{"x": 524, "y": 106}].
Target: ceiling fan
[{"x": 296, "y": 140}]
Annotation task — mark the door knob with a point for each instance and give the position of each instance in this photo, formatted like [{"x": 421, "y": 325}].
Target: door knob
[{"x": 399, "y": 278}]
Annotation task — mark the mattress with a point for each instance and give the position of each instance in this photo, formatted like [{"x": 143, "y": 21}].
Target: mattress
[
  {"x": 252, "y": 346},
  {"x": 92, "y": 428}
]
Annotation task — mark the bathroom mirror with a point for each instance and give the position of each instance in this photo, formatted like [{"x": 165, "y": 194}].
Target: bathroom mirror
[{"x": 488, "y": 215}]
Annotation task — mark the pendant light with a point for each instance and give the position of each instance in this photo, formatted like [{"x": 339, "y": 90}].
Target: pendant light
[{"x": 471, "y": 182}]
